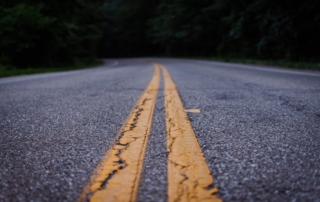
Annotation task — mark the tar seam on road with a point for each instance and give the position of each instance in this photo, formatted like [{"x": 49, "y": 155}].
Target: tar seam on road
[
  {"x": 189, "y": 178},
  {"x": 117, "y": 176}
]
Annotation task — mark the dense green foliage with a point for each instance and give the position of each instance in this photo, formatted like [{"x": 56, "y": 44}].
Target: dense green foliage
[
  {"x": 35, "y": 32},
  {"x": 51, "y": 32}
]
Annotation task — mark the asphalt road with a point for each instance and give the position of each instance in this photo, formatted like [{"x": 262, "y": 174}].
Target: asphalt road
[{"x": 259, "y": 129}]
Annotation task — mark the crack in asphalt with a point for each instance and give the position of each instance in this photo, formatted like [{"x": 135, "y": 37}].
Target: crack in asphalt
[
  {"x": 117, "y": 176},
  {"x": 121, "y": 163},
  {"x": 189, "y": 178}
]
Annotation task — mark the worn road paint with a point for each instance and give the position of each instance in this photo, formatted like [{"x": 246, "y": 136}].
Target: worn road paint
[
  {"x": 118, "y": 174},
  {"x": 192, "y": 110},
  {"x": 189, "y": 177}
]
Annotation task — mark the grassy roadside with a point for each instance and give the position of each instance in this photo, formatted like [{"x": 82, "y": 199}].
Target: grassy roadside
[
  {"x": 6, "y": 71},
  {"x": 274, "y": 63}
]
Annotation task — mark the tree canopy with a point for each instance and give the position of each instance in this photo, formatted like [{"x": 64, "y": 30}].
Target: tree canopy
[{"x": 35, "y": 32}]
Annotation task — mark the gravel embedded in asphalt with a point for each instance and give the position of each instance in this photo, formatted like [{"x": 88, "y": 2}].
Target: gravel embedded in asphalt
[
  {"x": 55, "y": 130},
  {"x": 259, "y": 129},
  {"x": 153, "y": 183}
]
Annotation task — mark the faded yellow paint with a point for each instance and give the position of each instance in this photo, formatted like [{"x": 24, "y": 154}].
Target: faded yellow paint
[
  {"x": 192, "y": 110},
  {"x": 189, "y": 177},
  {"x": 118, "y": 174}
]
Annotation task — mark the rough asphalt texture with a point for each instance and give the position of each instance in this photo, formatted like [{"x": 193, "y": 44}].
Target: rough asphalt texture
[
  {"x": 259, "y": 129},
  {"x": 153, "y": 183}
]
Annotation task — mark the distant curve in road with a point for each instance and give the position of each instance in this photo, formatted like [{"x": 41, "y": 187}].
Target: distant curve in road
[{"x": 258, "y": 129}]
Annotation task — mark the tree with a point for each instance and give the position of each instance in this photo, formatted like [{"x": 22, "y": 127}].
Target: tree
[{"x": 50, "y": 33}]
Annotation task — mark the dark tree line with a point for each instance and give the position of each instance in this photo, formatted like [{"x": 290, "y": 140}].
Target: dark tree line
[
  {"x": 51, "y": 32},
  {"x": 35, "y": 32}
]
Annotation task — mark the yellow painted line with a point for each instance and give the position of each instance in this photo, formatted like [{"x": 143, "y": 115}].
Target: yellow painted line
[
  {"x": 189, "y": 177},
  {"x": 192, "y": 110},
  {"x": 118, "y": 173}
]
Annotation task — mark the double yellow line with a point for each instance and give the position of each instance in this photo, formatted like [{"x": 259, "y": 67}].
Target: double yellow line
[{"x": 117, "y": 176}]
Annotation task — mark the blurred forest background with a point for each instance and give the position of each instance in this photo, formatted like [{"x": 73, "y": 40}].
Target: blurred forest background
[{"x": 55, "y": 32}]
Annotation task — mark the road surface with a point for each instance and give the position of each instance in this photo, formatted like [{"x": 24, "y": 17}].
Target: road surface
[{"x": 258, "y": 131}]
